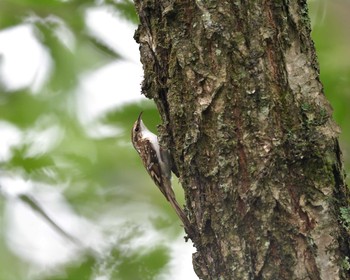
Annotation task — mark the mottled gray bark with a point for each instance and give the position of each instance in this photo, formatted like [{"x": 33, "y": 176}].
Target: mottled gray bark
[{"x": 244, "y": 114}]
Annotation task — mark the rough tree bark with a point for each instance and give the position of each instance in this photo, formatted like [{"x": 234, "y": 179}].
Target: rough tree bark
[{"x": 244, "y": 115}]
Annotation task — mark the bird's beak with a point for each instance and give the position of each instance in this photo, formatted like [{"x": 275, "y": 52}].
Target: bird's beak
[{"x": 139, "y": 118}]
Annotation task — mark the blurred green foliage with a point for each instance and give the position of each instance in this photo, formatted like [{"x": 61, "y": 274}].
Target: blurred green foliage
[
  {"x": 332, "y": 41},
  {"x": 104, "y": 174}
]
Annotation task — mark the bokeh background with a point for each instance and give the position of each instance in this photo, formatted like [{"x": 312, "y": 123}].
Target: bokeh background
[{"x": 75, "y": 200}]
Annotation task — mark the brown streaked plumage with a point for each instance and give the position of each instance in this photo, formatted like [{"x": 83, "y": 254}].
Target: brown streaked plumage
[{"x": 156, "y": 161}]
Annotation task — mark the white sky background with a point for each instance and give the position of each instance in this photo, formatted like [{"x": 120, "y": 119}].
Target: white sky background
[{"x": 113, "y": 85}]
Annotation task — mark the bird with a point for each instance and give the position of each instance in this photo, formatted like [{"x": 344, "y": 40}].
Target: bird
[{"x": 156, "y": 161}]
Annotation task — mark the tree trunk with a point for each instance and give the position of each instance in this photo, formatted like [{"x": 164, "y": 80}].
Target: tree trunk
[{"x": 249, "y": 128}]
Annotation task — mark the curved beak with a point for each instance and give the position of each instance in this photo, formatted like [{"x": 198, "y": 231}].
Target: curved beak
[{"x": 139, "y": 118}]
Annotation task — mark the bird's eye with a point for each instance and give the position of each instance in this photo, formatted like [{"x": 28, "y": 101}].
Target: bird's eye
[{"x": 137, "y": 128}]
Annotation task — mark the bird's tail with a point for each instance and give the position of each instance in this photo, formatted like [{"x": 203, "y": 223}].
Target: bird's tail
[{"x": 181, "y": 214}]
